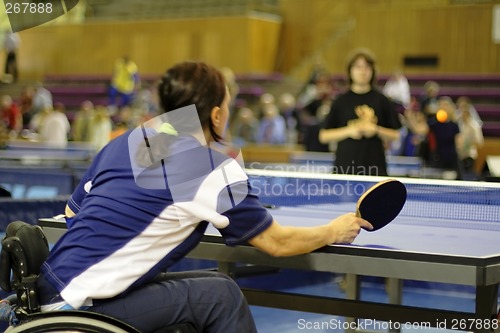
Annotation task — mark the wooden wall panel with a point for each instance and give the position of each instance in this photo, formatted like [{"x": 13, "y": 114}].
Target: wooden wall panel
[
  {"x": 246, "y": 44},
  {"x": 263, "y": 35},
  {"x": 309, "y": 29},
  {"x": 460, "y": 35}
]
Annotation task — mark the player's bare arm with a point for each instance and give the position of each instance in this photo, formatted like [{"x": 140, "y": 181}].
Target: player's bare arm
[
  {"x": 280, "y": 241},
  {"x": 68, "y": 212}
]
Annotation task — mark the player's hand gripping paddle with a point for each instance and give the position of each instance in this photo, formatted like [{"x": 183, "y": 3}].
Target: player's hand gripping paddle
[{"x": 381, "y": 203}]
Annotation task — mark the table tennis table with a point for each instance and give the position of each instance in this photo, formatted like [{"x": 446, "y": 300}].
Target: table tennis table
[
  {"x": 320, "y": 162},
  {"x": 60, "y": 157},
  {"x": 34, "y": 169},
  {"x": 30, "y": 145},
  {"x": 409, "y": 162},
  {"x": 448, "y": 232}
]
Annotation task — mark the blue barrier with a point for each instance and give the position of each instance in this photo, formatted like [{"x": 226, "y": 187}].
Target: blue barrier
[
  {"x": 30, "y": 210},
  {"x": 34, "y": 183}
]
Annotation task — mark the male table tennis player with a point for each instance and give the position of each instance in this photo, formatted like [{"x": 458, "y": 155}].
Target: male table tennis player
[{"x": 146, "y": 201}]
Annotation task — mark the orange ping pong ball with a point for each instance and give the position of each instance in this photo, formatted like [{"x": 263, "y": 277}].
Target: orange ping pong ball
[{"x": 441, "y": 116}]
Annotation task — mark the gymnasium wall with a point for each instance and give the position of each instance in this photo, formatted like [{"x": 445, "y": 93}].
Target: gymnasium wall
[
  {"x": 459, "y": 35},
  {"x": 245, "y": 44}
]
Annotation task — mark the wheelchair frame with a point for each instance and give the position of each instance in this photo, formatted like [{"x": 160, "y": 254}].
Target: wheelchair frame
[{"x": 24, "y": 249}]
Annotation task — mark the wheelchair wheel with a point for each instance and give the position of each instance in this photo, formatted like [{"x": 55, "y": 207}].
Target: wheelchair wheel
[{"x": 71, "y": 322}]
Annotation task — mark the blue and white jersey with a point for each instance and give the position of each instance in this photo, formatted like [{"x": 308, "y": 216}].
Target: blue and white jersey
[{"x": 137, "y": 215}]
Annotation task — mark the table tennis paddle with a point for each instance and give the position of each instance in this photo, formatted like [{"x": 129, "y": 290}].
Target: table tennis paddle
[{"x": 381, "y": 203}]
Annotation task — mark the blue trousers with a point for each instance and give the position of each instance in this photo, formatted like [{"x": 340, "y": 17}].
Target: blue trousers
[
  {"x": 125, "y": 99},
  {"x": 211, "y": 301}
]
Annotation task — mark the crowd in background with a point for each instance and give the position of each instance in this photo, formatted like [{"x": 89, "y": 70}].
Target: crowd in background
[
  {"x": 35, "y": 116},
  {"x": 449, "y": 142},
  {"x": 51, "y": 124}
]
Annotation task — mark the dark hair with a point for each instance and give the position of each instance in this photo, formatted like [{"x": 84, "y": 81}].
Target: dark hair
[
  {"x": 369, "y": 58},
  {"x": 195, "y": 83}
]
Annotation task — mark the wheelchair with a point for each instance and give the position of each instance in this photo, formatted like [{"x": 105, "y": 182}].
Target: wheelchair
[{"x": 24, "y": 249}]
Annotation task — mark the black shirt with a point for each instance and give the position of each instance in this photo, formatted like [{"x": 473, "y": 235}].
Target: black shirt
[
  {"x": 445, "y": 134},
  {"x": 367, "y": 155}
]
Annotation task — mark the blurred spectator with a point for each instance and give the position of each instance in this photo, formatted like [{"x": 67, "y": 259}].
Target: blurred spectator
[
  {"x": 308, "y": 91},
  {"x": 146, "y": 103},
  {"x": 11, "y": 45},
  {"x": 288, "y": 109},
  {"x": 312, "y": 114},
  {"x": 471, "y": 138},
  {"x": 60, "y": 107},
  {"x": 464, "y": 105},
  {"x": 264, "y": 100},
  {"x": 52, "y": 127},
  {"x": 272, "y": 128},
  {"x": 26, "y": 105},
  {"x": 124, "y": 82},
  {"x": 123, "y": 122},
  {"x": 321, "y": 94},
  {"x": 42, "y": 99},
  {"x": 4, "y": 136},
  {"x": 429, "y": 99},
  {"x": 125, "y": 117},
  {"x": 429, "y": 106},
  {"x": 10, "y": 116},
  {"x": 101, "y": 127},
  {"x": 444, "y": 137},
  {"x": 231, "y": 83},
  {"x": 397, "y": 89},
  {"x": 318, "y": 85},
  {"x": 82, "y": 125},
  {"x": 245, "y": 127},
  {"x": 414, "y": 130}
]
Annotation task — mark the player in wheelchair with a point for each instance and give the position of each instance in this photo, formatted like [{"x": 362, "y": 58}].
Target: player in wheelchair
[
  {"x": 142, "y": 205},
  {"x": 24, "y": 249}
]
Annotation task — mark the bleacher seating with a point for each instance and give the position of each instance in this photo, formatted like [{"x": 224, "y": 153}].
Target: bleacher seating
[
  {"x": 72, "y": 90},
  {"x": 483, "y": 89}
]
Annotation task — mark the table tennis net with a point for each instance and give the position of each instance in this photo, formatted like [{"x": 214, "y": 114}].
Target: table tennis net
[{"x": 426, "y": 198}]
